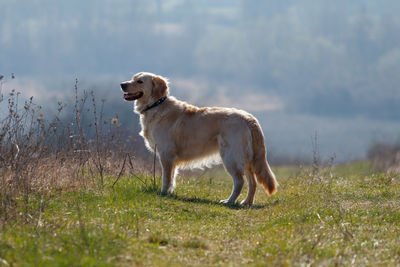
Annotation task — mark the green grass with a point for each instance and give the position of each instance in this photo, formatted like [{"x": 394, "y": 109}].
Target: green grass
[{"x": 348, "y": 217}]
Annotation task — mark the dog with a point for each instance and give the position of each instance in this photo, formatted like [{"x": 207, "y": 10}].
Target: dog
[{"x": 184, "y": 135}]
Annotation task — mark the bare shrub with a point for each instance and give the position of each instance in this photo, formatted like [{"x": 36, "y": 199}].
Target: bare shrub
[
  {"x": 385, "y": 156},
  {"x": 75, "y": 147}
]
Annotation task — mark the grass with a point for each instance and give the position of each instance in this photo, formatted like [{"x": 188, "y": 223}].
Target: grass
[{"x": 351, "y": 216}]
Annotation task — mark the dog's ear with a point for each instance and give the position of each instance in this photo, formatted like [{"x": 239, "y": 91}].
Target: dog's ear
[{"x": 160, "y": 87}]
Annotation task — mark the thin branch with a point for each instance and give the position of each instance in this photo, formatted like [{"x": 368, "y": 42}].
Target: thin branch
[{"x": 120, "y": 173}]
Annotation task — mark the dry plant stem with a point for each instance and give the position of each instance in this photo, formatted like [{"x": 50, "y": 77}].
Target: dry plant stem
[
  {"x": 39, "y": 223},
  {"x": 98, "y": 158},
  {"x": 154, "y": 165},
  {"x": 316, "y": 158},
  {"x": 132, "y": 168},
  {"x": 82, "y": 226}
]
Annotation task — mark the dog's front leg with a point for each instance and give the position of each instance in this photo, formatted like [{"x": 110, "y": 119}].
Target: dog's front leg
[{"x": 168, "y": 172}]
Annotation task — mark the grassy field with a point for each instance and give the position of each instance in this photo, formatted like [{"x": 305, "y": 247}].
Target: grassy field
[{"x": 346, "y": 216}]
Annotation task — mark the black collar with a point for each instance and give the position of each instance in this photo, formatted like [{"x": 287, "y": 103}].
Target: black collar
[{"x": 158, "y": 102}]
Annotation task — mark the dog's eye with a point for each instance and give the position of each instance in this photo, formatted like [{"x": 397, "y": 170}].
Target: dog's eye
[{"x": 139, "y": 81}]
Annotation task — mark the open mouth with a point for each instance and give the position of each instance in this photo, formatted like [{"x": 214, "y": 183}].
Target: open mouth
[{"x": 131, "y": 97}]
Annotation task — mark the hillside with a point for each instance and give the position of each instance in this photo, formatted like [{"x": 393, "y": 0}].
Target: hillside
[{"x": 344, "y": 216}]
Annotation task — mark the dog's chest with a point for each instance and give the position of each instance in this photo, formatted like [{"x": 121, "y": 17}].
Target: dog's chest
[{"x": 146, "y": 132}]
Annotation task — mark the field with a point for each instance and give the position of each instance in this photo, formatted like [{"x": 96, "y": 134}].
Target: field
[{"x": 345, "y": 215}]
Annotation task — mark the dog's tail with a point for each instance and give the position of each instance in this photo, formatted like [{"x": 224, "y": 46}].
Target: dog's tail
[{"x": 260, "y": 165}]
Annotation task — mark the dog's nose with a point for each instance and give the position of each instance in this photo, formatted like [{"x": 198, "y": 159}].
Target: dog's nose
[{"x": 124, "y": 86}]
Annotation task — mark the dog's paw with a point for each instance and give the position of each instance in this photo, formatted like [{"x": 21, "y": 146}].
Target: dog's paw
[
  {"x": 245, "y": 202},
  {"x": 171, "y": 190},
  {"x": 167, "y": 192},
  {"x": 226, "y": 201}
]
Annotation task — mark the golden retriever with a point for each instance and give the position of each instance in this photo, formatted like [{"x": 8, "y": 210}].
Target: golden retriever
[{"x": 186, "y": 135}]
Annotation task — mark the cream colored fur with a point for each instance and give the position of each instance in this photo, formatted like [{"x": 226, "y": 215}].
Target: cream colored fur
[{"x": 186, "y": 135}]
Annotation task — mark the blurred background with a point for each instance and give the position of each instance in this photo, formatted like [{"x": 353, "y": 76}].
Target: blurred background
[{"x": 302, "y": 67}]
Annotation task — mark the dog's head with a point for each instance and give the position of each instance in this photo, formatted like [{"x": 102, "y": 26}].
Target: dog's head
[{"x": 145, "y": 88}]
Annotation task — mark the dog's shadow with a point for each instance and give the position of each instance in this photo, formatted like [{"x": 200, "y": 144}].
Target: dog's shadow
[{"x": 235, "y": 206}]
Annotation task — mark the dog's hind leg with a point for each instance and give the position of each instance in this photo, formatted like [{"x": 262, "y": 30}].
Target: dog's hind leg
[
  {"x": 233, "y": 167},
  {"x": 168, "y": 175},
  {"x": 252, "y": 186},
  {"x": 237, "y": 188}
]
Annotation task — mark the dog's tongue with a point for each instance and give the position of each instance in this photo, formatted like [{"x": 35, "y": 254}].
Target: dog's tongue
[{"x": 131, "y": 97}]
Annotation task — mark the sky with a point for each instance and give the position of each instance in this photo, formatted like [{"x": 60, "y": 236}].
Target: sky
[{"x": 302, "y": 67}]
